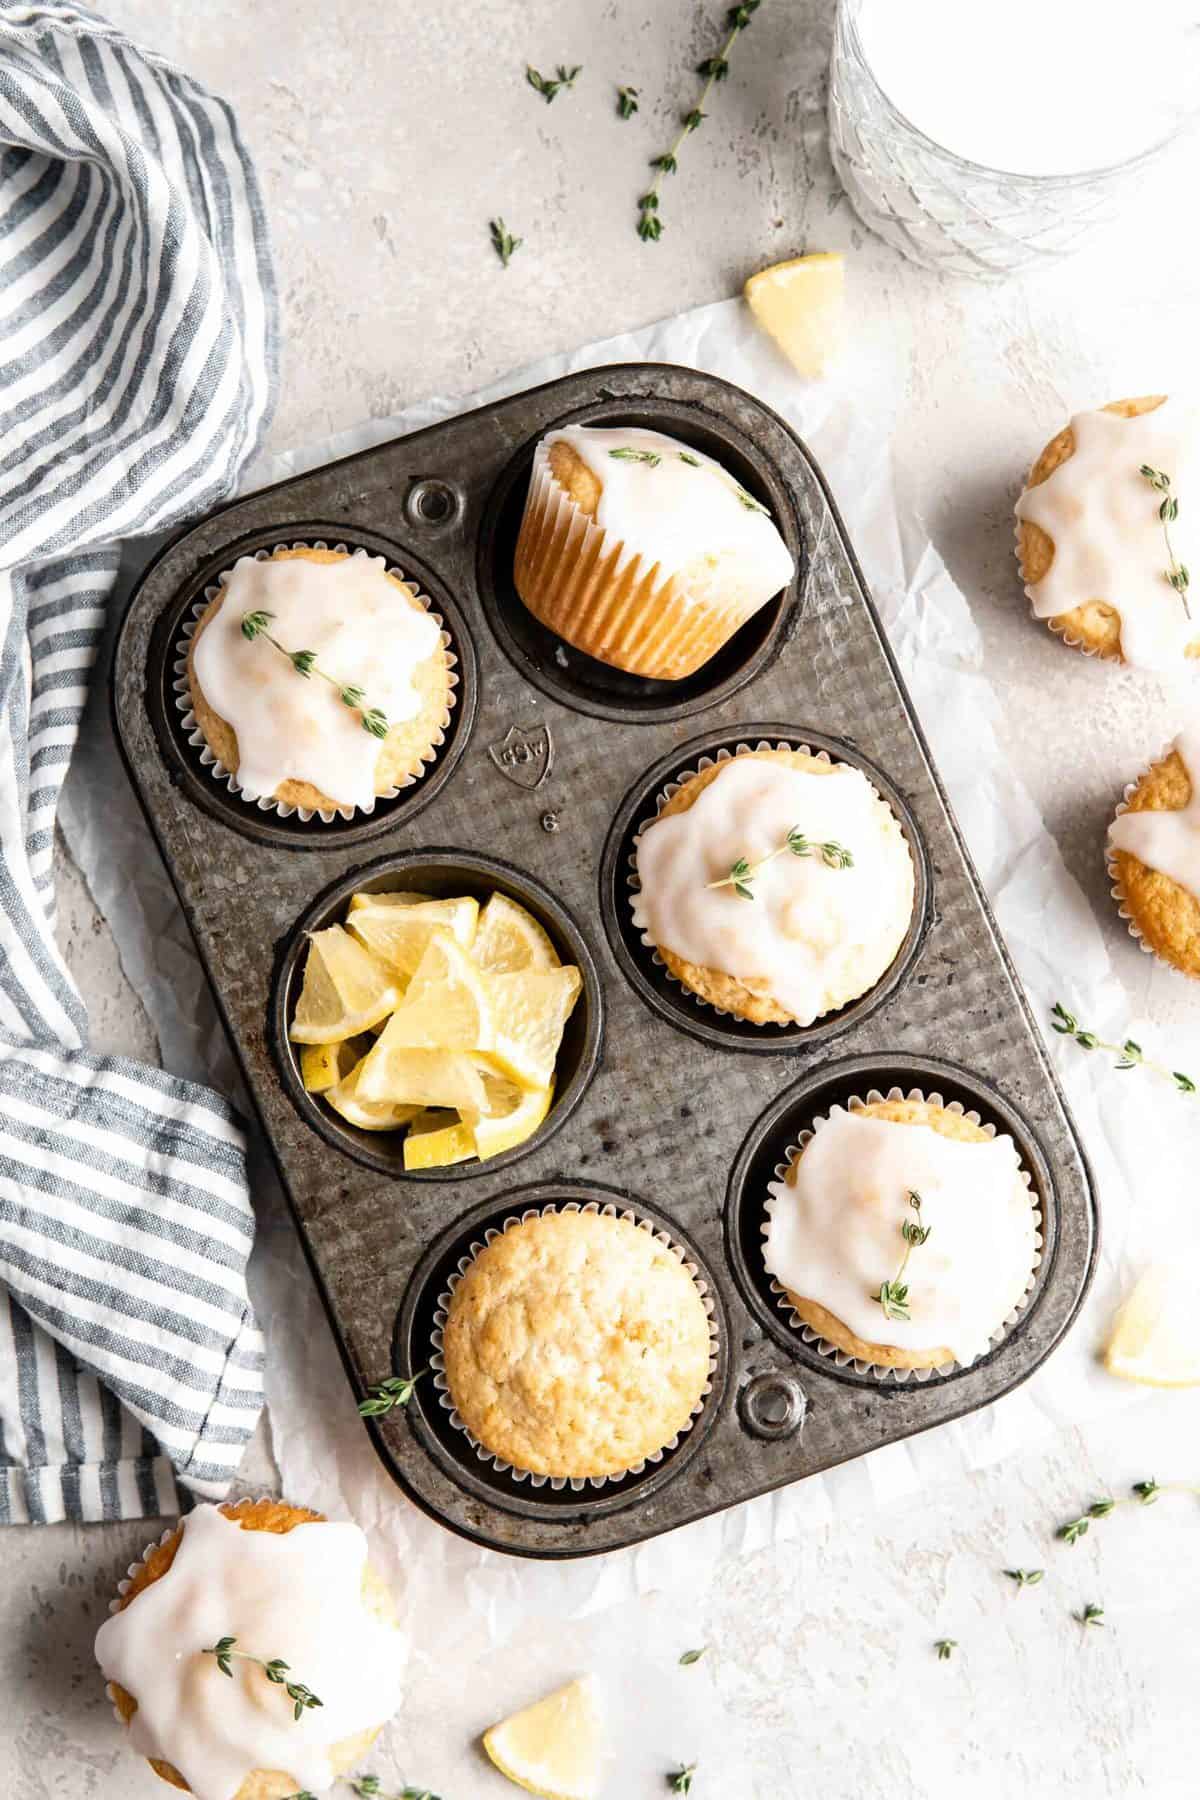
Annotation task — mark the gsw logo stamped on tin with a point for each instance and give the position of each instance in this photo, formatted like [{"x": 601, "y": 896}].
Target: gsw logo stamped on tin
[{"x": 524, "y": 757}]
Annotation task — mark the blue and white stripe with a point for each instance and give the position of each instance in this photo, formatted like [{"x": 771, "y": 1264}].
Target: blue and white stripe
[{"x": 137, "y": 368}]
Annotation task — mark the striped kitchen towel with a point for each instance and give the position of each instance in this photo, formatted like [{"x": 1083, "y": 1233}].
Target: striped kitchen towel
[{"x": 137, "y": 369}]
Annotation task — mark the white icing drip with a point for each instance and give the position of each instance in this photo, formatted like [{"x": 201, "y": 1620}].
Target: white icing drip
[
  {"x": 834, "y": 1231},
  {"x": 672, "y": 513},
  {"x": 364, "y": 632},
  {"x": 1108, "y": 538},
  {"x": 813, "y": 936},
  {"x": 1168, "y": 839},
  {"x": 297, "y": 1596}
]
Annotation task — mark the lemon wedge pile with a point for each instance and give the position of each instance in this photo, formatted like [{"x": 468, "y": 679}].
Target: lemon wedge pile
[
  {"x": 436, "y": 1017},
  {"x": 553, "y": 1748}
]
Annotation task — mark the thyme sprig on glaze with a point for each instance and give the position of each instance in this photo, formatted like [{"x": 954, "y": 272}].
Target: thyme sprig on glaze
[
  {"x": 680, "y": 1780},
  {"x": 945, "y": 1648},
  {"x": 503, "y": 242},
  {"x": 397, "y": 1390},
  {"x": 893, "y": 1294},
  {"x": 742, "y": 873},
  {"x": 714, "y": 69},
  {"x": 627, "y": 102},
  {"x": 1142, "y": 1493},
  {"x": 1168, "y": 511},
  {"x": 549, "y": 87},
  {"x": 275, "y": 1670},
  {"x": 369, "y": 1787},
  {"x": 626, "y": 453},
  {"x": 1130, "y": 1054},
  {"x": 374, "y": 722}
]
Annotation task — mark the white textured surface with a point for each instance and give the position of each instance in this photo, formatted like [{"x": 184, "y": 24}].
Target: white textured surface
[{"x": 386, "y": 137}]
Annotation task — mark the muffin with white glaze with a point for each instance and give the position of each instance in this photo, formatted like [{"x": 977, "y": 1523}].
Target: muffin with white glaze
[
  {"x": 641, "y": 551},
  {"x": 1154, "y": 856},
  {"x": 263, "y": 1582},
  {"x": 905, "y": 1234},
  {"x": 776, "y": 885},
  {"x": 1107, "y": 525},
  {"x": 319, "y": 678}
]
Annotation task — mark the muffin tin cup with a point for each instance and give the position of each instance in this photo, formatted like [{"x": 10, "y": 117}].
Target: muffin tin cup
[
  {"x": 228, "y": 777},
  {"x": 1114, "y": 874},
  {"x": 633, "y": 884},
  {"x": 778, "y": 1193},
  {"x": 558, "y": 1483}
]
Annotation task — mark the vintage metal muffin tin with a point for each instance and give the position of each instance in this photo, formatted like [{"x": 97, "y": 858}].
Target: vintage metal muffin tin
[{"x": 667, "y": 1106}]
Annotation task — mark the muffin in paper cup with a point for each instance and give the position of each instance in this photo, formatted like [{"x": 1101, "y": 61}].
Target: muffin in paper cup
[
  {"x": 812, "y": 1321},
  {"x": 1162, "y": 917},
  {"x": 726, "y": 995},
  {"x": 199, "y": 730},
  {"x": 622, "y": 604},
  {"x": 617, "y": 1431}
]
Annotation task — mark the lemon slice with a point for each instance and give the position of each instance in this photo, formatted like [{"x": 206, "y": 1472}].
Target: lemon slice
[
  {"x": 509, "y": 938},
  {"x": 514, "y": 1114},
  {"x": 399, "y": 935},
  {"x": 387, "y": 897},
  {"x": 322, "y": 1066},
  {"x": 436, "y": 1139},
  {"x": 1154, "y": 1337},
  {"x": 393, "y": 1074},
  {"x": 553, "y": 1748},
  {"x": 529, "y": 1011},
  {"x": 385, "y": 1115},
  {"x": 800, "y": 305},
  {"x": 346, "y": 990},
  {"x": 446, "y": 1005}
]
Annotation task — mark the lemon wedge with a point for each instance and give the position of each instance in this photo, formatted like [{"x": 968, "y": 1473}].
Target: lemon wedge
[
  {"x": 529, "y": 1012},
  {"x": 514, "y": 1114},
  {"x": 553, "y": 1748},
  {"x": 387, "y": 897},
  {"x": 446, "y": 1005},
  {"x": 436, "y": 1139},
  {"x": 510, "y": 939},
  {"x": 368, "y": 1115},
  {"x": 394, "y": 1074},
  {"x": 800, "y": 305},
  {"x": 346, "y": 990},
  {"x": 322, "y": 1066},
  {"x": 1154, "y": 1338},
  {"x": 399, "y": 935}
]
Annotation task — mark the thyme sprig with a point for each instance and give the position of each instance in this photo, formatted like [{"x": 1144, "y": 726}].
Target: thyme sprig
[
  {"x": 1130, "y": 1054},
  {"x": 276, "y": 1671},
  {"x": 945, "y": 1648},
  {"x": 1168, "y": 511},
  {"x": 680, "y": 1780},
  {"x": 626, "y": 453},
  {"x": 742, "y": 874},
  {"x": 627, "y": 102},
  {"x": 714, "y": 69},
  {"x": 503, "y": 242},
  {"x": 1142, "y": 1493},
  {"x": 397, "y": 1390},
  {"x": 1091, "y": 1615},
  {"x": 1026, "y": 1577},
  {"x": 549, "y": 87},
  {"x": 893, "y": 1294},
  {"x": 369, "y": 1787},
  {"x": 374, "y": 722}
]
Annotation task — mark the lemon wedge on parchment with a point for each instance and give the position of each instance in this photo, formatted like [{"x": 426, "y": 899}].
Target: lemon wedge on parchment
[
  {"x": 552, "y": 1748},
  {"x": 801, "y": 305},
  {"x": 1154, "y": 1338}
]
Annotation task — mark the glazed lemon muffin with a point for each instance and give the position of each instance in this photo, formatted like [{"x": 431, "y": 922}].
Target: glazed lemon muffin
[
  {"x": 576, "y": 1345},
  {"x": 1106, "y": 527},
  {"x": 904, "y": 1234},
  {"x": 232, "y": 1590},
  {"x": 775, "y": 885},
  {"x": 641, "y": 551},
  {"x": 1154, "y": 856},
  {"x": 318, "y": 678}
]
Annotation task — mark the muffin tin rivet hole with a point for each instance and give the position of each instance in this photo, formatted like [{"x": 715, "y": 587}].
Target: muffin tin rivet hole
[
  {"x": 432, "y": 502},
  {"x": 772, "y": 1405}
]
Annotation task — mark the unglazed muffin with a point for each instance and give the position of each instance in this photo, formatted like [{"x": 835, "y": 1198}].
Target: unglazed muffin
[
  {"x": 844, "y": 1233},
  {"x": 824, "y": 902},
  {"x": 641, "y": 551},
  {"x": 576, "y": 1345},
  {"x": 1097, "y": 564},
  {"x": 223, "y": 1575},
  {"x": 1154, "y": 856},
  {"x": 292, "y": 736}
]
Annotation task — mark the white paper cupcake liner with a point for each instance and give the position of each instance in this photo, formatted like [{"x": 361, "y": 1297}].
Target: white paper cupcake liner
[
  {"x": 778, "y": 1191},
  {"x": 217, "y": 769},
  {"x": 575, "y": 1483},
  {"x": 1110, "y": 863},
  {"x": 634, "y": 885},
  {"x": 1051, "y": 620}
]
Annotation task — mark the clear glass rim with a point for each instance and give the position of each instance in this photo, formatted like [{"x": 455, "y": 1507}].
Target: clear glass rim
[{"x": 848, "y": 22}]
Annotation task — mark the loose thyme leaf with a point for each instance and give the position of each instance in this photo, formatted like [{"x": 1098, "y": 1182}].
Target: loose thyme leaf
[
  {"x": 1091, "y": 1615},
  {"x": 503, "y": 242},
  {"x": 685, "y": 456},
  {"x": 549, "y": 87},
  {"x": 627, "y": 101},
  {"x": 750, "y": 503},
  {"x": 397, "y": 1390},
  {"x": 304, "y": 662},
  {"x": 369, "y": 1787},
  {"x": 1147, "y": 1491},
  {"x": 681, "y": 1780},
  {"x": 1026, "y": 1577},
  {"x": 1129, "y": 1054},
  {"x": 945, "y": 1648},
  {"x": 692, "y": 1656}
]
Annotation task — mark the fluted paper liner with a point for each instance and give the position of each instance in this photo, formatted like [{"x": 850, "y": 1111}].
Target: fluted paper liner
[
  {"x": 576, "y": 1483},
  {"x": 580, "y": 582},
  {"x": 778, "y": 1191},
  {"x": 1110, "y": 863},
  {"x": 217, "y": 769}
]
